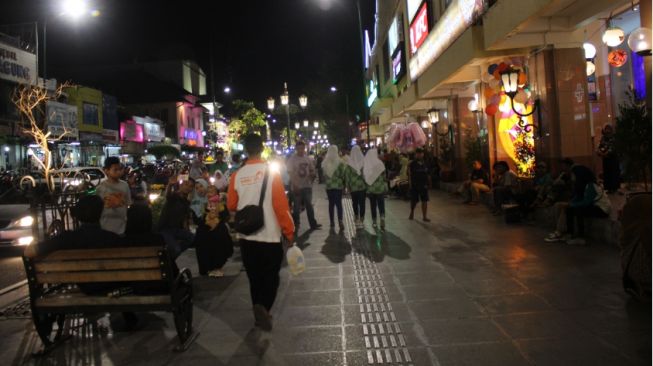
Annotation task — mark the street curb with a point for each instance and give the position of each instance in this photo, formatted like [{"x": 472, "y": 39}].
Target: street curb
[{"x": 13, "y": 287}]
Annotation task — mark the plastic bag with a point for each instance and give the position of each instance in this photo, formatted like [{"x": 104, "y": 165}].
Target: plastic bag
[
  {"x": 419, "y": 137},
  {"x": 295, "y": 259}
]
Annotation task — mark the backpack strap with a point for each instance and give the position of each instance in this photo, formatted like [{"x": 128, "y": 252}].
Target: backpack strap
[{"x": 265, "y": 182}]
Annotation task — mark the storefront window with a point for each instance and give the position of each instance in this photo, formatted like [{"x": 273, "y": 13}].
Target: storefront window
[{"x": 90, "y": 114}]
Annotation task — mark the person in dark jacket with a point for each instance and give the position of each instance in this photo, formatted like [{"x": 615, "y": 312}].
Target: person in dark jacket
[
  {"x": 175, "y": 217},
  {"x": 611, "y": 171}
]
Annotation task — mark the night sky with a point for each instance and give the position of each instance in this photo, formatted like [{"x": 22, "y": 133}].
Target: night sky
[{"x": 256, "y": 45}]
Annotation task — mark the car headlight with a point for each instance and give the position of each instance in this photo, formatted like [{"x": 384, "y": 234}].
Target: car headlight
[
  {"x": 25, "y": 221},
  {"x": 25, "y": 240},
  {"x": 154, "y": 196}
]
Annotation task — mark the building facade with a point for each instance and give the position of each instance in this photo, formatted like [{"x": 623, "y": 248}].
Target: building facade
[{"x": 448, "y": 57}]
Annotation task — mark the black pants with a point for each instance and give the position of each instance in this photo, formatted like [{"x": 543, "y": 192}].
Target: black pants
[
  {"x": 358, "y": 201},
  {"x": 377, "y": 200},
  {"x": 611, "y": 173},
  {"x": 335, "y": 201},
  {"x": 262, "y": 262},
  {"x": 579, "y": 214}
]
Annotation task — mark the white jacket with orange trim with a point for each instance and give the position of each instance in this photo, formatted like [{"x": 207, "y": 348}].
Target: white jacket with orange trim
[{"x": 245, "y": 189}]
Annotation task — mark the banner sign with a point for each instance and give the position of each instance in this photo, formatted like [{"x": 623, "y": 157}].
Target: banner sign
[
  {"x": 131, "y": 131},
  {"x": 17, "y": 65},
  {"x": 419, "y": 28},
  {"x": 459, "y": 16},
  {"x": 62, "y": 117},
  {"x": 152, "y": 129}
]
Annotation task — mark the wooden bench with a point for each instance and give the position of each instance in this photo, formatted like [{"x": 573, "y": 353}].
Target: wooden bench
[{"x": 52, "y": 297}]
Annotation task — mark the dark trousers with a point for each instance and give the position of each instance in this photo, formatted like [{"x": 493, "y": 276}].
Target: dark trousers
[
  {"x": 377, "y": 200},
  {"x": 501, "y": 195},
  {"x": 177, "y": 240},
  {"x": 305, "y": 196},
  {"x": 335, "y": 201},
  {"x": 262, "y": 262},
  {"x": 579, "y": 214},
  {"x": 358, "y": 201},
  {"x": 611, "y": 173}
]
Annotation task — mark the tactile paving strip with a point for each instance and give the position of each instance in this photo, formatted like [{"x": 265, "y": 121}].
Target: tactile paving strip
[{"x": 385, "y": 341}]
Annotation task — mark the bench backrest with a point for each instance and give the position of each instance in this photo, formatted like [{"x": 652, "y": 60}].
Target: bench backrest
[{"x": 99, "y": 265}]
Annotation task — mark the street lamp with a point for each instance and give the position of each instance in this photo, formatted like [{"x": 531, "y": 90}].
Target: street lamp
[
  {"x": 305, "y": 123},
  {"x": 433, "y": 115},
  {"x": 285, "y": 101},
  {"x": 510, "y": 79},
  {"x": 74, "y": 9},
  {"x": 316, "y": 125}
]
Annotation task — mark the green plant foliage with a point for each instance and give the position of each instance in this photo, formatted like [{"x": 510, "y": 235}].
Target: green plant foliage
[
  {"x": 164, "y": 151},
  {"x": 473, "y": 148},
  {"x": 632, "y": 140}
]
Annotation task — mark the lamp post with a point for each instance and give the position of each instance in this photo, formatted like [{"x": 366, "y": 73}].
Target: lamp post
[
  {"x": 75, "y": 10},
  {"x": 285, "y": 101},
  {"x": 510, "y": 80}
]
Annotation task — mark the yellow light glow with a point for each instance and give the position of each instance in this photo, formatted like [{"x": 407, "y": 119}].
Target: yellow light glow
[{"x": 508, "y": 135}]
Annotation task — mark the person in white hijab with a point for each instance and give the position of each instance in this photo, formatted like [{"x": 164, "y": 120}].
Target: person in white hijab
[
  {"x": 377, "y": 186},
  {"x": 334, "y": 169},
  {"x": 356, "y": 184}
]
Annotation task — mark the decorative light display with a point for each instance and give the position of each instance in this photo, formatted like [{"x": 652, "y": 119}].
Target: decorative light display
[
  {"x": 639, "y": 41},
  {"x": 613, "y": 36},
  {"x": 617, "y": 58}
]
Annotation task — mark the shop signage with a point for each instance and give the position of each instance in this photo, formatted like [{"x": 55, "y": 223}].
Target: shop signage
[
  {"x": 110, "y": 136},
  {"x": 152, "y": 129},
  {"x": 131, "y": 131},
  {"x": 393, "y": 34},
  {"x": 191, "y": 137},
  {"x": 90, "y": 136},
  {"x": 398, "y": 65},
  {"x": 17, "y": 65},
  {"x": 459, "y": 16},
  {"x": 62, "y": 118},
  {"x": 419, "y": 28},
  {"x": 372, "y": 93}
]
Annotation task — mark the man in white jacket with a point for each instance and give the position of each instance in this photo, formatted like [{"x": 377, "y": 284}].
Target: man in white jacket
[{"x": 261, "y": 251}]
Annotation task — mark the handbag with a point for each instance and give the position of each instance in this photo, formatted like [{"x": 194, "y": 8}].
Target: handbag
[{"x": 249, "y": 219}]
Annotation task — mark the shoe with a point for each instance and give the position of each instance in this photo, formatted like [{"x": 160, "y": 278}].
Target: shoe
[
  {"x": 554, "y": 238},
  {"x": 262, "y": 318},
  {"x": 374, "y": 224},
  {"x": 342, "y": 225},
  {"x": 316, "y": 226},
  {"x": 576, "y": 241},
  {"x": 410, "y": 217},
  {"x": 216, "y": 273},
  {"x": 383, "y": 224}
]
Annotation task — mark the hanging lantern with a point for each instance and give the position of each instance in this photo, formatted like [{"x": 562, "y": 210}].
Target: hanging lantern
[
  {"x": 425, "y": 124},
  {"x": 433, "y": 115},
  {"x": 617, "y": 58},
  {"x": 297, "y": 125},
  {"x": 590, "y": 51},
  {"x": 613, "y": 36},
  {"x": 473, "y": 105},
  {"x": 639, "y": 41},
  {"x": 590, "y": 68}
]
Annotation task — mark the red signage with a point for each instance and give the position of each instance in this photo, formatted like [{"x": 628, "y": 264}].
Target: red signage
[{"x": 419, "y": 29}]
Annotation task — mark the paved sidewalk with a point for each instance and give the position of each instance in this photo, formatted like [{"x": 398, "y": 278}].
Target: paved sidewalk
[{"x": 465, "y": 289}]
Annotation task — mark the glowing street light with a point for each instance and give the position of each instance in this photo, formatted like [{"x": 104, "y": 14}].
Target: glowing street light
[
  {"x": 316, "y": 124},
  {"x": 303, "y": 101},
  {"x": 74, "y": 8},
  {"x": 227, "y": 90},
  {"x": 271, "y": 104},
  {"x": 305, "y": 123},
  {"x": 334, "y": 89}
]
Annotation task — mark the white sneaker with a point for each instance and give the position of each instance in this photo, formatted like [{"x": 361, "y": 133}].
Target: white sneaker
[
  {"x": 554, "y": 238},
  {"x": 576, "y": 241}
]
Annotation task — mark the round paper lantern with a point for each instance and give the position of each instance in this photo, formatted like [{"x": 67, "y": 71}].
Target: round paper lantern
[
  {"x": 617, "y": 58},
  {"x": 488, "y": 92},
  {"x": 491, "y": 109},
  {"x": 590, "y": 68},
  {"x": 590, "y": 50},
  {"x": 613, "y": 36},
  {"x": 472, "y": 105},
  {"x": 521, "y": 97},
  {"x": 521, "y": 81},
  {"x": 639, "y": 41},
  {"x": 491, "y": 69}
]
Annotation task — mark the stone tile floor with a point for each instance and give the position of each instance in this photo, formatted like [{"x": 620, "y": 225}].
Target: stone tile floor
[{"x": 465, "y": 289}]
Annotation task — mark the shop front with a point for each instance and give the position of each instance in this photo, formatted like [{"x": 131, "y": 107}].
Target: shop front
[{"x": 132, "y": 140}]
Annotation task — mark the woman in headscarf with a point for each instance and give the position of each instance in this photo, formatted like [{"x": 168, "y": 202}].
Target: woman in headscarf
[
  {"x": 220, "y": 181},
  {"x": 199, "y": 200},
  {"x": 356, "y": 184},
  {"x": 334, "y": 171},
  {"x": 611, "y": 172},
  {"x": 374, "y": 175}
]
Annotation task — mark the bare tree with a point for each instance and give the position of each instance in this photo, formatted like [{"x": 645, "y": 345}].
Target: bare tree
[{"x": 30, "y": 101}]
